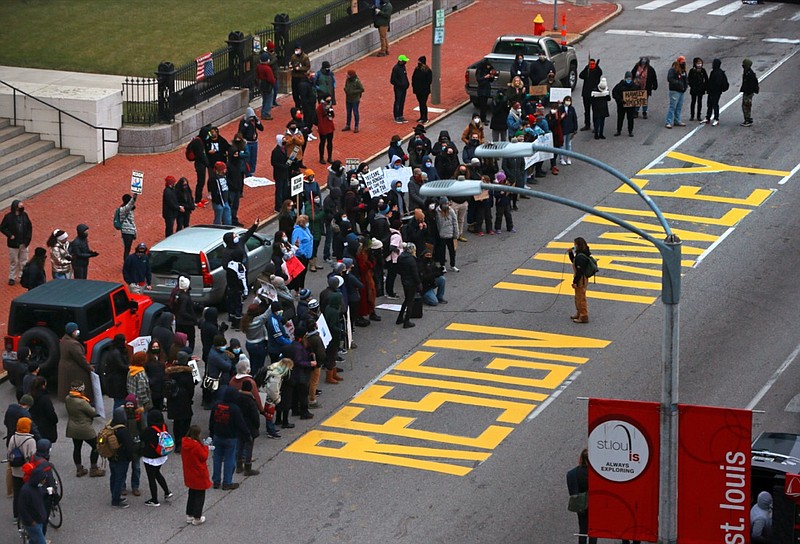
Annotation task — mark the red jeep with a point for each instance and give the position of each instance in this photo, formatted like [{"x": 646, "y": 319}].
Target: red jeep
[{"x": 101, "y": 309}]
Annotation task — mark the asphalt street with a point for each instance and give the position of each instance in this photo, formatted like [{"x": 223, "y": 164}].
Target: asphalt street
[{"x": 461, "y": 429}]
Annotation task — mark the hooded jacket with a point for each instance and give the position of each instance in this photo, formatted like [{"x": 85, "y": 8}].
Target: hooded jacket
[
  {"x": 226, "y": 420},
  {"x": 761, "y": 519},
  {"x": 79, "y": 247},
  {"x": 697, "y": 79},
  {"x": 31, "y": 505},
  {"x": 17, "y": 228},
  {"x": 717, "y": 80},
  {"x": 209, "y": 328},
  {"x": 179, "y": 405},
  {"x": 399, "y": 77},
  {"x": 194, "y": 459},
  {"x": 749, "y": 79},
  {"x": 155, "y": 424},
  {"x": 250, "y": 125},
  {"x": 127, "y": 448}
]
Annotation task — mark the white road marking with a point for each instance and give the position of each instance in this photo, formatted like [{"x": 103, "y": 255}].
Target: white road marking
[
  {"x": 774, "y": 378},
  {"x": 781, "y": 40},
  {"x": 697, "y": 4},
  {"x": 712, "y": 247},
  {"x": 554, "y": 396},
  {"x": 788, "y": 176},
  {"x": 656, "y": 34},
  {"x": 655, "y": 4},
  {"x": 727, "y": 9},
  {"x": 795, "y": 17},
  {"x": 762, "y": 12},
  {"x": 569, "y": 228},
  {"x": 735, "y": 38}
]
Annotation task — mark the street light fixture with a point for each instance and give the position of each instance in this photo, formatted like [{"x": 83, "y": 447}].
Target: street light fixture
[{"x": 670, "y": 250}]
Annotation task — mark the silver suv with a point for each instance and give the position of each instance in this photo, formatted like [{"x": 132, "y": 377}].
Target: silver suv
[{"x": 196, "y": 252}]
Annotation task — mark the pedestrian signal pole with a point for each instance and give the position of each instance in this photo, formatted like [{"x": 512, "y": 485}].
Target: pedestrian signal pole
[{"x": 437, "y": 35}]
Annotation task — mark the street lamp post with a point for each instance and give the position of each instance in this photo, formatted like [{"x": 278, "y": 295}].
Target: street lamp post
[{"x": 670, "y": 250}]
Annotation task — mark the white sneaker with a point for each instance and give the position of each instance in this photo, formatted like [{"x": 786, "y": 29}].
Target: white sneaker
[
  {"x": 454, "y": 269},
  {"x": 569, "y": 161},
  {"x": 563, "y": 161},
  {"x": 189, "y": 519},
  {"x": 715, "y": 122},
  {"x": 199, "y": 521}
]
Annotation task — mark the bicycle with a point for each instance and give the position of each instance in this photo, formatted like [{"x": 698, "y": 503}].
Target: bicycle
[{"x": 56, "y": 515}]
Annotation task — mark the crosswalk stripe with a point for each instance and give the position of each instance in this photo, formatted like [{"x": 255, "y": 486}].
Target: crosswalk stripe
[
  {"x": 655, "y": 4},
  {"x": 795, "y": 17},
  {"x": 728, "y": 8},
  {"x": 697, "y": 4},
  {"x": 764, "y": 11}
]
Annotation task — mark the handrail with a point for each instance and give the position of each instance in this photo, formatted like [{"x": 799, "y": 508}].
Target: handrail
[{"x": 60, "y": 112}]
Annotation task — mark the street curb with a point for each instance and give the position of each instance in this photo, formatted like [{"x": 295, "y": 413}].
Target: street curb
[{"x": 598, "y": 23}]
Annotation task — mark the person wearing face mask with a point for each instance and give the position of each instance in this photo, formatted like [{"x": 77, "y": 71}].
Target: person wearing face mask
[
  {"x": 80, "y": 252},
  {"x": 626, "y": 84},
  {"x": 280, "y": 170},
  {"x": 72, "y": 364},
  {"x": 128, "y": 220},
  {"x": 698, "y": 85},
  {"x": 249, "y": 127},
  {"x": 590, "y": 75},
  {"x": 514, "y": 119},
  {"x": 325, "y": 82},
  {"x": 219, "y": 190},
  {"x": 316, "y": 224},
  {"x": 414, "y": 199},
  {"x": 554, "y": 123},
  {"x": 677, "y": 79},
  {"x": 18, "y": 230},
  {"x": 540, "y": 68},
  {"x": 485, "y": 74},
  {"x": 277, "y": 337},
  {"x": 579, "y": 257},
  {"x": 300, "y": 65},
  {"x": 717, "y": 84},
  {"x": 219, "y": 365},
  {"x": 234, "y": 259},
  {"x": 325, "y": 115},
  {"x": 500, "y": 111},
  {"x": 421, "y": 81},
  {"x": 446, "y": 163},
  {"x": 748, "y": 89},
  {"x": 474, "y": 128},
  {"x": 353, "y": 89},
  {"x": 600, "y": 99},
  {"x": 569, "y": 125},
  {"x": 400, "y": 84},
  {"x": 645, "y": 77},
  {"x": 428, "y": 168},
  {"x": 520, "y": 69},
  {"x": 136, "y": 270}
]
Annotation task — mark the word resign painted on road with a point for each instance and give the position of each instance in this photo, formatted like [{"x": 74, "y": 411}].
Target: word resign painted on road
[
  {"x": 630, "y": 265},
  {"x": 389, "y": 422}
]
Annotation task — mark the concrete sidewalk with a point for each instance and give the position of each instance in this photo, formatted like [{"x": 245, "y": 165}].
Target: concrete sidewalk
[{"x": 91, "y": 196}]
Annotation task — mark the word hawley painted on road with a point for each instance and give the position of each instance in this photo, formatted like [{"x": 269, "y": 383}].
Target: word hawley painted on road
[
  {"x": 391, "y": 422},
  {"x": 630, "y": 266},
  {"x": 525, "y": 368}
]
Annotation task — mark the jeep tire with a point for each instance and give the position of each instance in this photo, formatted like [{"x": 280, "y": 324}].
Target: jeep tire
[{"x": 44, "y": 346}]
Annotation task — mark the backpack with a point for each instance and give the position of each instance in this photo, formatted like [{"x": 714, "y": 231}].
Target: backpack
[
  {"x": 16, "y": 457},
  {"x": 591, "y": 266},
  {"x": 107, "y": 441},
  {"x": 725, "y": 84},
  {"x": 170, "y": 388},
  {"x": 166, "y": 444},
  {"x": 191, "y": 156},
  {"x": 25, "y": 278},
  {"x": 117, "y": 219}
]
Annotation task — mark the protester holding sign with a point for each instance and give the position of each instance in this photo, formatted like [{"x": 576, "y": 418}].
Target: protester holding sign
[{"x": 623, "y": 108}]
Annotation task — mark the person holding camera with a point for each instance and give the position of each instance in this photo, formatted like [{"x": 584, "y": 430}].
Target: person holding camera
[
  {"x": 300, "y": 65},
  {"x": 486, "y": 75},
  {"x": 325, "y": 115}
]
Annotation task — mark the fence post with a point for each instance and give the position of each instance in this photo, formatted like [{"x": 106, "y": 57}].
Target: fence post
[
  {"x": 235, "y": 43},
  {"x": 165, "y": 76},
  {"x": 282, "y": 25}
]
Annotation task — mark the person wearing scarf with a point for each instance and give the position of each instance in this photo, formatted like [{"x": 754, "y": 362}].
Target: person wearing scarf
[
  {"x": 81, "y": 414},
  {"x": 139, "y": 384}
]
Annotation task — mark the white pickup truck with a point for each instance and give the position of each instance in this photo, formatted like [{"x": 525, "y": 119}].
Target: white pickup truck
[{"x": 506, "y": 49}]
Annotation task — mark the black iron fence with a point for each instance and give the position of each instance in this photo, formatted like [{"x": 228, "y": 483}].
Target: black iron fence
[{"x": 174, "y": 90}]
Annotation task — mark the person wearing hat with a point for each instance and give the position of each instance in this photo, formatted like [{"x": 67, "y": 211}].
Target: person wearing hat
[
  {"x": 277, "y": 337},
  {"x": 216, "y": 148},
  {"x": 748, "y": 89},
  {"x": 618, "y": 93},
  {"x": 400, "y": 84},
  {"x": 219, "y": 366},
  {"x": 255, "y": 332},
  {"x": 115, "y": 369},
  {"x": 72, "y": 364},
  {"x": 300, "y": 65},
  {"x": 17, "y": 228},
  {"x": 81, "y": 414},
  {"x": 183, "y": 308},
  {"x": 169, "y": 205},
  {"x": 218, "y": 187},
  {"x": 179, "y": 396},
  {"x": 302, "y": 313},
  {"x": 421, "y": 81},
  {"x": 353, "y": 89},
  {"x": 325, "y": 127},
  {"x": 325, "y": 82},
  {"x": 249, "y": 127},
  {"x": 23, "y": 439},
  {"x": 308, "y": 101},
  {"x": 127, "y": 222},
  {"x": 678, "y": 83},
  {"x": 590, "y": 75},
  {"x": 266, "y": 84},
  {"x": 600, "y": 99},
  {"x": 420, "y": 138},
  {"x": 136, "y": 270},
  {"x": 697, "y": 79},
  {"x": 33, "y": 272},
  {"x": 381, "y": 20},
  {"x": 485, "y": 75},
  {"x": 60, "y": 259},
  {"x": 80, "y": 252}
]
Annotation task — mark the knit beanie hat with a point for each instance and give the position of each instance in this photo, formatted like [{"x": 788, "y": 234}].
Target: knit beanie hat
[
  {"x": 24, "y": 425},
  {"x": 27, "y": 400}
]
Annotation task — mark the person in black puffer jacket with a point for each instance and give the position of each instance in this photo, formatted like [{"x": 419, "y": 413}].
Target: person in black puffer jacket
[
  {"x": 179, "y": 391},
  {"x": 81, "y": 253},
  {"x": 409, "y": 278},
  {"x": 115, "y": 370}
]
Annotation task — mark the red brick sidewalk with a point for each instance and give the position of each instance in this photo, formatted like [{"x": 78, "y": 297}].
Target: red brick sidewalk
[{"x": 91, "y": 197}]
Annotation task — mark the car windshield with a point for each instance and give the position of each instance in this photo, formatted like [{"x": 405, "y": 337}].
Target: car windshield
[
  {"x": 173, "y": 263},
  {"x": 515, "y": 48}
]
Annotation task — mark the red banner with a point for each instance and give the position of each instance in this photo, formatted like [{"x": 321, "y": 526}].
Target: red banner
[
  {"x": 713, "y": 475},
  {"x": 623, "y": 480}
]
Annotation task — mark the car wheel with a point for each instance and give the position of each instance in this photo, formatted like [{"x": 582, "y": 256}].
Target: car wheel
[
  {"x": 43, "y": 344},
  {"x": 572, "y": 76}
]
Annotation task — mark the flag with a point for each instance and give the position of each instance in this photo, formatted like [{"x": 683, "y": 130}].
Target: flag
[{"x": 205, "y": 66}]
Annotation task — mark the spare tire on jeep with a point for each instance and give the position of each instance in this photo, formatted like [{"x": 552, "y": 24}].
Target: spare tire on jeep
[{"x": 44, "y": 346}]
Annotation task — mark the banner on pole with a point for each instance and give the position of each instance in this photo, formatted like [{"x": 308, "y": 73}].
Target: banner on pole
[
  {"x": 624, "y": 462},
  {"x": 713, "y": 474}
]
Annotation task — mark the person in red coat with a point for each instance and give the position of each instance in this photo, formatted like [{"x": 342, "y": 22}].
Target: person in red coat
[
  {"x": 194, "y": 455},
  {"x": 325, "y": 115}
]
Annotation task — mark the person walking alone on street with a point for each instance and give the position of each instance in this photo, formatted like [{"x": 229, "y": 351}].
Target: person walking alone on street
[
  {"x": 677, "y": 80},
  {"x": 748, "y": 89},
  {"x": 579, "y": 257},
  {"x": 698, "y": 85},
  {"x": 590, "y": 75},
  {"x": 381, "y": 19},
  {"x": 618, "y": 93},
  {"x": 578, "y": 482},
  {"x": 353, "y": 89},
  {"x": 421, "y": 81},
  {"x": 717, "y": 84},
  {"x": 18, "y": 230},
  {"x": 399, "y": 81}
]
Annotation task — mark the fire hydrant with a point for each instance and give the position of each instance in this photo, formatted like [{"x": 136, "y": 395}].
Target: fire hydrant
[{"x": 538, "y": 25}]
